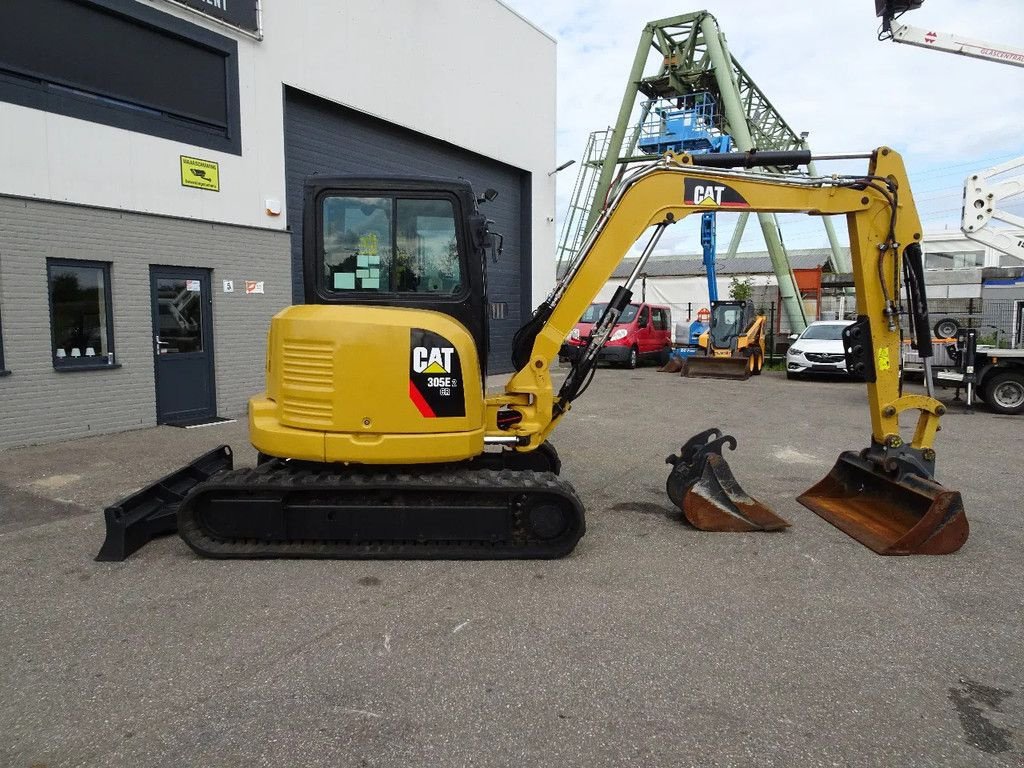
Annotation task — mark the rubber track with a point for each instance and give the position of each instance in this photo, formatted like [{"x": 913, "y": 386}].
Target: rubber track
[{"x": 429, "y": 486}]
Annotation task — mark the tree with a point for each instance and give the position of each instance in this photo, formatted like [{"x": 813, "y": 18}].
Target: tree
[{"x": 741, "y": 289}]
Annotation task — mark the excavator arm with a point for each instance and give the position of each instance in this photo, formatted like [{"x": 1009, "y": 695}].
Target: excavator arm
[
  {"x": 880, "y": 495},
  {"x": 883, "y": 224}
]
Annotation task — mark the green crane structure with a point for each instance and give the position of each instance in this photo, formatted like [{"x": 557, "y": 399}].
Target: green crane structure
[{"x": 694, "y": 58}]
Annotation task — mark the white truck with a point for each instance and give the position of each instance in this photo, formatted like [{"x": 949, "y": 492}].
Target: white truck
[{"x": 993, "y": 376}]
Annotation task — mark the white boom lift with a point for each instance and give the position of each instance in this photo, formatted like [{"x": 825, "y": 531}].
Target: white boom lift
[
  {"x": 983, "y": 201},
  {"x": 890, "y": 10},
  {"x": 984, "y": 195}
]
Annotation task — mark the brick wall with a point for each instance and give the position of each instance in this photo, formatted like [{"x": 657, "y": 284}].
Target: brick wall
[{"x": 39, "y": 404}]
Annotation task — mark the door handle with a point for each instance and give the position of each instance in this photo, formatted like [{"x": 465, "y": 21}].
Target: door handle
[{"x": 160, "y": 343}]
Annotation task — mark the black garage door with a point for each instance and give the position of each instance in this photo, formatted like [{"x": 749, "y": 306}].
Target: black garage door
[{"x": 322, "y": 138}]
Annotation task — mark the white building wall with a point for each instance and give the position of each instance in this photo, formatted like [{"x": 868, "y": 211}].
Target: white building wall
[
  {"x": 680, "y": 292},
  {"x": 469, "y": 72}
]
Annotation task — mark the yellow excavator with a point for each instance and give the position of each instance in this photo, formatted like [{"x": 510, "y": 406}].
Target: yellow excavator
[
  {"x": 733, "y": 345},
  {"x": 377, "y": 438}
]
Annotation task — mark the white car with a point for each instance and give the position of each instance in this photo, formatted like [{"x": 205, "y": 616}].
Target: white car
[{"x": 819, "y": 349}]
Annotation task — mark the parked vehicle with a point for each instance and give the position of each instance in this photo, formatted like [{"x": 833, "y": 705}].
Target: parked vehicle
[
  {"x": 733, "y": 345},
  {"x": 992, "y": 375},
  {"x": 644, "y": 332},
  {"x": 819, "y": 349}
]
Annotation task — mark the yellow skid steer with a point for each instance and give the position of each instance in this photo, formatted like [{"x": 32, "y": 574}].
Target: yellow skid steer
[{"x": 733, "y": 345}]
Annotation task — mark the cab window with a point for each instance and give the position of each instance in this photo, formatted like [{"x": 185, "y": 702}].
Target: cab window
[
  {"x": 660, "y": 319},
  {"x": 389, "y": 245}
]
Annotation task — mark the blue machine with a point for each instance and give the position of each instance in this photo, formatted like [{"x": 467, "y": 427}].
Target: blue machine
[{"x": 691, "y": 127}]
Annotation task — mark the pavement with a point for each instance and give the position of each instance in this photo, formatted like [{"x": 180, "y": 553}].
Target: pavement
[{"x": 651, "y": 645}]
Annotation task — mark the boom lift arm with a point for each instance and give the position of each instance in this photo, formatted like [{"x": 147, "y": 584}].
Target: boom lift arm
[
  {"x": 890, "y": 10},
  {"x": 983, "y": 201}
]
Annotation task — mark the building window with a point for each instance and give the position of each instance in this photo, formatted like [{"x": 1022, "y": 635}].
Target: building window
[
  {"x": 954, "y": 260},
  {"x": 81, "y": 322},
  {"x": 119, "y": 63}
]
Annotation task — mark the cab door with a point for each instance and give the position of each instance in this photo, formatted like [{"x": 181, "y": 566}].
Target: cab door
[{"x": 662, "y": 327}]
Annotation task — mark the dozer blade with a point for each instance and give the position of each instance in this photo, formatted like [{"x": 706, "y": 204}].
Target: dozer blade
[
  {"x": 700, "y": 367},
  {"x": 153, "y": 511},
  {"x": 716, "y": 502},
  {"x": 904, "y": 515}
]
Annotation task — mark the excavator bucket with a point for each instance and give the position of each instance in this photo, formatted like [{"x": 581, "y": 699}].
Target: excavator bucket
[
  {"x": 703, "y": 486},
  {"x": 701, "y": 367},
  {"x": 716, "y": 502},
  {"x": 892, "y": 515}
]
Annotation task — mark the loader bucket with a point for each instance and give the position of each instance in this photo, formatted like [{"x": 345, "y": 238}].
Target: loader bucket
[
  {"x": 700, "y": 367},
  {"x": 891, "y": 515},
  {"x": 716, "y": 502}
]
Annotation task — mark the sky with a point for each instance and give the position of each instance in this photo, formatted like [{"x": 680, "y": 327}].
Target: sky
[{"x": 821, "y": 65}]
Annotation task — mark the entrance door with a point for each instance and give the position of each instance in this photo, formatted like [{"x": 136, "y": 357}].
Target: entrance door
[{"x": 183, "y": 344}]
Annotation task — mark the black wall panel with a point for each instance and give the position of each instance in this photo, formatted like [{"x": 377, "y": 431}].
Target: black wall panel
[
  {"x": 322, "y": 138},
  {"x": 121, "y": 63}
]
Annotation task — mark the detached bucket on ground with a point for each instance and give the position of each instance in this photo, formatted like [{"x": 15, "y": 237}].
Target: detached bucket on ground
[
  {"x": 716, "y": 502},
  {"x": 703, "y": 486},
  {"x": 891, "y": 515}
]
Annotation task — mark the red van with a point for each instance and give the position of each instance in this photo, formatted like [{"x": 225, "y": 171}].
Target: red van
[{"x": 644, "y": 331}]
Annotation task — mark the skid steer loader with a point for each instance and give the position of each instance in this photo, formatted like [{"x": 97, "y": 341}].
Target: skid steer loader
[
  {"x": 733, "y": 345},
  {"x": 376, "y": 434}
]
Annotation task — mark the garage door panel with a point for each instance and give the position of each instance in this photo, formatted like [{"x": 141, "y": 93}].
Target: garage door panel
[{"x": 322, "y": 138}]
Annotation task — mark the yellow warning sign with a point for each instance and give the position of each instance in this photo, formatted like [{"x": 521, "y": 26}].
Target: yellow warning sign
[
  {"x": 201, "y": 174},
  {"x": 883, "y": 358},
  {"x": 368, "y": 244}
]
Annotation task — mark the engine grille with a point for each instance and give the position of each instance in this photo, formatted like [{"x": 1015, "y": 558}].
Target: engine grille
[
  {"x": 307, "y": 378},
  {"x": 824, "y": 357}
]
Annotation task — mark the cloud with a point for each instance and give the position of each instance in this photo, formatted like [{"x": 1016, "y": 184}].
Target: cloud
[{"x": 826, "y": 73}]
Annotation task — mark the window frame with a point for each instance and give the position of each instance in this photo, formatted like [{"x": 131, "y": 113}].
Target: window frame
[
  {"x": 62, "y": 99},
  {"x": 333, "y": 295},
  {"x": 643, "y": 319},
  {"x": 84, "y": 363},
  {"x": 658, "y": 319}
]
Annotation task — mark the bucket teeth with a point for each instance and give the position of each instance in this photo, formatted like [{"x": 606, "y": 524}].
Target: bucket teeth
[
  {"x": 891, "y": 515},
  {"x": 703, "y": 486}
]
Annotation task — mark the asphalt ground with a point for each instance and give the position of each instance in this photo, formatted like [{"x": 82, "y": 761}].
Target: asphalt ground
[{"x": 651, "y": 645}]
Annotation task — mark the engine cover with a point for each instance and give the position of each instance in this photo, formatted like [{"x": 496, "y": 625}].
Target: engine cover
[{"x": 379, "y": 385}]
